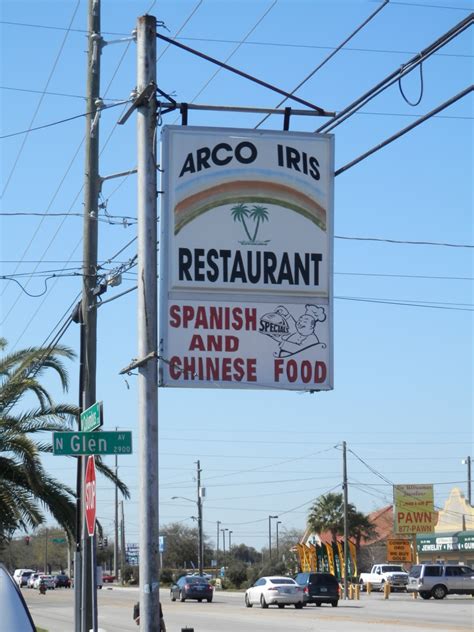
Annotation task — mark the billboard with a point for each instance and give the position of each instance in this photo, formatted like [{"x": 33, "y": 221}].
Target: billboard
[
  {"x": 414, "y": 508},
  {"x": 246, "y": 259}
]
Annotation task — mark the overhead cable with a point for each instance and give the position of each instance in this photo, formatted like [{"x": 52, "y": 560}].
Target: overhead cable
[
  {"x": 241, "y": 73},
  {"x": 267, "y": 11},
  {"x": 389, "y": 140},
  {"x": 66, "y": 120},
  {"x": 330, "y": 56},
  {"x": 397, "y": 74},
  {"x": 55, "y": 63}
]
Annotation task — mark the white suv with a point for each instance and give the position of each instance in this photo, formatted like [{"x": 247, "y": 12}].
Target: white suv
[
  {"x": 21, "y": 575},
  {"x": 439, "y": 580}
]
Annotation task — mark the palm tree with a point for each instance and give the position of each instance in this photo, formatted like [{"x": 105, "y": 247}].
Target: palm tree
[
  {"x": 239, "y": 213},
  {"x": 360, "y": 528},
  {"x": 327, "y": 514},
  {"x": 25, "y": 487},
  {"x": 258, "y": 214}
]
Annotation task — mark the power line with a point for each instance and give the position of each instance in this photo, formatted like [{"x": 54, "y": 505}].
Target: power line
[
  {"x": 107, "y": 219},
  {"x": 181, "y": 28},
  {"x": 123, "y": 180},
  {"x": 329, "y": 57},
  {"x": 267, "y": 11},
  {"x": 399, "y": 72},
  {"x": 406, "y": 276},
  {"x": 359, "y": 113},
  {"x": 350, "y": 49},
  {"x": 429, "y": 6},
  {"x": 73, "y": 202},
  {"x": 61, "y": 121},
  {"x": 444, "y": 306},
  {"x": 405, "y": 241},
  {"x": 20, "y": 151},
  {"x": 251, "y": 43},
  {"x": 41, "y": 273},
  {"x": 243, "y": 74},
  {"x": 404, "y": 131}
]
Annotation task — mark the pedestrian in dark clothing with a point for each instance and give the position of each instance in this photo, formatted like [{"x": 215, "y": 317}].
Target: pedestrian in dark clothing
[{"x": 136, "y": 616}]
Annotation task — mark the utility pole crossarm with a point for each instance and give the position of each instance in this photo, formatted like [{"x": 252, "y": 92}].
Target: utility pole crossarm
[{"x": 141, "y": 99}]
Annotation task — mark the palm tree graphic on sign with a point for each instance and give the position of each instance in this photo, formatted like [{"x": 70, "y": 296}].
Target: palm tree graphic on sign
[{"x": 259, "y": 215}]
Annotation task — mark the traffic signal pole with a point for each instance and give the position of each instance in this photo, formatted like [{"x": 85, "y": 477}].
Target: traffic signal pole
[{"x": 147, "y": 324}]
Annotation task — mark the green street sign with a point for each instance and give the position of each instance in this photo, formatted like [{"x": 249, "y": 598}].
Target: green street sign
[
  {"x": 88, "y": 443},
  {"x": 92, "y": 418}
]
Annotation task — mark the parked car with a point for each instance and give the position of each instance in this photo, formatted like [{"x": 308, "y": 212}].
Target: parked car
[
  {"x": 62, "y": 580},
  {"x": 319, "y": 588},
  {"x": 108, "y": 579},
  {"x": 192, "y": 587},
  {"x": 31, "y": 579},
  {"x": 14, "y": 612},
  {"x": 380, "y": 574},
  {"x": 47, "y": 581},
  {"x": 21, "y": 575},
  {"x": 282, "y": 591},
  {"x": 439, "y": 580}
]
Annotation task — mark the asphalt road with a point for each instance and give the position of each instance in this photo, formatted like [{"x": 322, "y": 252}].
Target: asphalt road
[{"x": 400, "y": 613}]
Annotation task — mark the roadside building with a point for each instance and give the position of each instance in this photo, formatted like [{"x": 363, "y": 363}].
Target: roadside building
[
  {"x": 453, "y": 537},
  {"x": 451, "y": 541}
]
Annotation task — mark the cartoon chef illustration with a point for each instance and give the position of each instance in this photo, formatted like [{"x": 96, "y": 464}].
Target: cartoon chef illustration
[{"x": 296, "y": 335}]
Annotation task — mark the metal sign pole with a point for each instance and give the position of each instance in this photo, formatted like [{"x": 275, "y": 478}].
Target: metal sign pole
[
  {"x": 94, "y": 581},
  {"x": 147, "y": 325}
]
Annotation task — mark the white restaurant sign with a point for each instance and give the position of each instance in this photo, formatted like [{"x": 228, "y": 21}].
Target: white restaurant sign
[{"x": 246, "y": 259}]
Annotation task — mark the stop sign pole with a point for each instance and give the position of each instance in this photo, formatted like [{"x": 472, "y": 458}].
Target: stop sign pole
[
  {"x": 90, "y": 495},
  {"x": 90, "y": 510}
]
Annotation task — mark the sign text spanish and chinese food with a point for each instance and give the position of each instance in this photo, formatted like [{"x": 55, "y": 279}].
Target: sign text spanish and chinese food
[
  {"x": 246, "y": 259},
  {"x": 414, "y": 509}
]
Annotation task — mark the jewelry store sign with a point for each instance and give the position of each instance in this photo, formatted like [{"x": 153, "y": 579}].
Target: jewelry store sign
[{"x": 246, "y": 259}]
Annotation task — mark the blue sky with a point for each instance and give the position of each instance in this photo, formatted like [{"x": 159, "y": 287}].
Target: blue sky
[{"x": 403, "y": 370}]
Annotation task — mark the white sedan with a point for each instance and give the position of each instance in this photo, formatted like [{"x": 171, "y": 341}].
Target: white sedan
[
  {"x": 282, "y": 591},
  {"x": 48, "y": 582}
]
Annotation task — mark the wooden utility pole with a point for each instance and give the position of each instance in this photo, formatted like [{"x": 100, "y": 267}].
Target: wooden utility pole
[
  {"x": 147, "y": 324},
  {"x": 89, "y": 281},
  {"x": 199, "y": 507},
  {"x": 346, "y": 522},
  {"x": 116, "y": 528}
]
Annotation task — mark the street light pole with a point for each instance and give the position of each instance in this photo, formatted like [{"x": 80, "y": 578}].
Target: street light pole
[
  {"x": 217, "y": 541},
  {"x": 277, "y": 543},
  {"x": 467, "y": 461},
  {"x": 198, "y": 503},
  {"x": 230, "y": 541},
  {"x": 270, "y": 536},
  {"x": 223, "y": 544}
]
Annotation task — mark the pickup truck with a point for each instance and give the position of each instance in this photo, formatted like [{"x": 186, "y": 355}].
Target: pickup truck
[{"x": 383, "y": 573}]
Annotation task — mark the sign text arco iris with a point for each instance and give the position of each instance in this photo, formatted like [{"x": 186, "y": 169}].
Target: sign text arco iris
[{"x": 246, "y": 259}]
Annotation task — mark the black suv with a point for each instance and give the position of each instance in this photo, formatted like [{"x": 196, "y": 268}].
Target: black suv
[{"x": 319, "y": 588}]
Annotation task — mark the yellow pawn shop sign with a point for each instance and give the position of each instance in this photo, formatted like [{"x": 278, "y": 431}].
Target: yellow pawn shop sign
[{"x": 414, "y": 509}]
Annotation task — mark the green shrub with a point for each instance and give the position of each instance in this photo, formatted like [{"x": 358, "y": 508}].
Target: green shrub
[
  {"x": 166, "y": 576},
  {"x": 237, "y": 573}
]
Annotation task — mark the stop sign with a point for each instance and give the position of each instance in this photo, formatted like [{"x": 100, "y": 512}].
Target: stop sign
[{"x": 89, "y": 495}]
